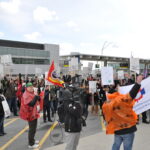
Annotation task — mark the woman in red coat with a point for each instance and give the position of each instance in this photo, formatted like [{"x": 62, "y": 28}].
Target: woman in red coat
[{"x": 29, "y": 112}]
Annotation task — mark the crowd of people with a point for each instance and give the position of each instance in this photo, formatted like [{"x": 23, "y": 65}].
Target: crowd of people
[{"x": 27, "y": 97}]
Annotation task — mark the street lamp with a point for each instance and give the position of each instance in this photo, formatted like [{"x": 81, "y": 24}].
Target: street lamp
[{"x": 105, "y": 45}]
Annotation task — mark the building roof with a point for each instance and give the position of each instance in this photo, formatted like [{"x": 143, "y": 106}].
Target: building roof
[{"x": 19, "y": 44}]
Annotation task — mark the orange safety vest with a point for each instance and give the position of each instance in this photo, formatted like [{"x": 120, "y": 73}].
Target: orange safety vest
[{"x": 118, "y": 112}]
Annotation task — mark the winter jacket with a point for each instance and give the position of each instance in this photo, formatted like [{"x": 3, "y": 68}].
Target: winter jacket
[
  {"x": 73, "y": 116},
  {"x": 29, "y": 103},
  {"x": 119, "y": 114}
]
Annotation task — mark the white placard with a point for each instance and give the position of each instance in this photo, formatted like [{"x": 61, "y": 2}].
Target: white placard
[
  {"x": 73, "y": 64},
  {"x": 135, "y": 65},
  {"x": 120, "y": 74},
  {"x": 143, "y": 97},
  {"x": 107, "y": 76},
  {"x": 6, "y": 107},
  {"x": 92, "y": 86}
]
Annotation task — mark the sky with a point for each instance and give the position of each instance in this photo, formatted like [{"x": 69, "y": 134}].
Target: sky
[{"x": 120, "y": 28}]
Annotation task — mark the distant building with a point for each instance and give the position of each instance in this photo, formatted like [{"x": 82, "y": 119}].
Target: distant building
[{"x": 28, "y": 58}]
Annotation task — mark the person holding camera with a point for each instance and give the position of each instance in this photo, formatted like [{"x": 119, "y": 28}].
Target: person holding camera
[
  {"x": 73, "y": 119},
  {"x": 29, "y": 112}
]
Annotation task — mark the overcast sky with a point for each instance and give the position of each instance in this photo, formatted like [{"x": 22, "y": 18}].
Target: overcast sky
[{"x": 80, "y": 25}]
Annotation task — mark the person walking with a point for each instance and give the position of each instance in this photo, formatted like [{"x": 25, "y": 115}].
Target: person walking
[
  {"x": 120, "y": 118},
  {"x": 29, "y": 112}
]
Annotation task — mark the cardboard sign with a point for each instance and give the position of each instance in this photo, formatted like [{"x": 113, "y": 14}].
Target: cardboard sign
[
  {"x": 120, "y": 74},
  {"x": 135, "y": 65},
  {"x": 107, "y": 76},
  {"x": 92, "y": 86}
]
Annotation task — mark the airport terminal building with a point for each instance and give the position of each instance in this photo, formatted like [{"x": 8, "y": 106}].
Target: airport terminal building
[{"x": 28, "y": 58}]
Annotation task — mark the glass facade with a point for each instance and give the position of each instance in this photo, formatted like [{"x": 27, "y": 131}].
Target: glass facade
[
  {"x": 24, "y": 52},
  {"x": 30, "y": 61}
]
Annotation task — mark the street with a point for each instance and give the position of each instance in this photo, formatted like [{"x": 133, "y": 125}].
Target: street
[{"x": 16, "y": 129}]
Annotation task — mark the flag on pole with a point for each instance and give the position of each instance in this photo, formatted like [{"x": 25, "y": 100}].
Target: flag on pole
[{"x": 52, "y": 76}]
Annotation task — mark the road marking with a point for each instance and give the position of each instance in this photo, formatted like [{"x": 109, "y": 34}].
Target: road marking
[
  {"x": 44, "y": 138},
  {"x": 13, "y": 139},
  {"x": 10, "y": 122}
]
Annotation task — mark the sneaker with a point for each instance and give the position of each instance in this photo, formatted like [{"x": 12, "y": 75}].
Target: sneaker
[
  {"x": 37, "y": 142},
  {"x": 33, "y": 146}
]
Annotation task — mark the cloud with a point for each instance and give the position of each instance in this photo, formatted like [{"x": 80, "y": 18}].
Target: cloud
[
  {"x": 73, "y": 25},
  {"x": 66, "y": 48},
  {"x": 33, "y": 36},
  {"x": 43, "y": 14},
  {"x": 11, "y": 7},
  {"x": 1, "y": 34}
]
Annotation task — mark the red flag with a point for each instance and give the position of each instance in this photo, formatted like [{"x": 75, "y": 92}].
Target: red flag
[{"x": 52, "y": 76}]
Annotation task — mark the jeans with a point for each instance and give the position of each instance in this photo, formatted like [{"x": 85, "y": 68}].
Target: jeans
[
  {"x": 13, "y": 105},
  {"x": 1, "y": 124},
  {"x": 126, "y": 139}
]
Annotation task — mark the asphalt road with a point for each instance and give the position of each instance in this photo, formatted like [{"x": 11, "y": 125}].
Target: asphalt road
[{"x": 17, "y": 133}]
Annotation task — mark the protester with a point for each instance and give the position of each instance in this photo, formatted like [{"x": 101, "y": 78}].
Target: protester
[
  {"x": 29, "y": 112},
  {"x": 120, "y": 117},
  {"x": 2, "y": 115},
  {"x": 73, "y": 120},
  {"x": 46, "y": 105},
  {"x": 11, "y": 96}
]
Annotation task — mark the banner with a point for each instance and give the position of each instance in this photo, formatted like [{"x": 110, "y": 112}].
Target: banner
[
  {"x": 52, "y": 76},
  {"x": 107, "y": 76},
  {"x": 92, "y": 86},
  {"x": 6, "y": 107},
  {"x": 135, "y": 65},
  {"x": 143, "y": 97}
]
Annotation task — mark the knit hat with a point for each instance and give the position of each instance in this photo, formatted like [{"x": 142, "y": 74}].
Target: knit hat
[{"x": 29, "y": 84}]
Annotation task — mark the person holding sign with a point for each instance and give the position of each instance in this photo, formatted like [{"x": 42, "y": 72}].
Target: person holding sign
[{"x": 120, "y": 118}]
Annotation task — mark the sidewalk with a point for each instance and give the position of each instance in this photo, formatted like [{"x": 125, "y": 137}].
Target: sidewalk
[{"x": 101, "y": 141}]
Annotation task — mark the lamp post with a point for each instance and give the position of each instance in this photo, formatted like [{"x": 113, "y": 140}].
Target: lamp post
[{"x": 105, "y": 45}]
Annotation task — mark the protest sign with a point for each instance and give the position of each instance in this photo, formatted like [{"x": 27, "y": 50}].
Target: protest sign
[
  {"x": 107, "y": 76},
  {"x": 120, "y": 74},
  {"x": 92, "y": 86},
  {"x": 142, "y": 100},
  {"x": 6, "y": 107},
  {"x": 135, "y": 65}
]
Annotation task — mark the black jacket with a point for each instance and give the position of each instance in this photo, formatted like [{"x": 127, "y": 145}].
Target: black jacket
[
  {"x": 1, "y": 106},
  {"x": 46, "y": 97},
  {"x": 133, "y": 94},
  {"x": 73, "y": 116}
]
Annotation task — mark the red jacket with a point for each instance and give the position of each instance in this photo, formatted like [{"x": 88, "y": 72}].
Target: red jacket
[{"x": 26, "y": 112}]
